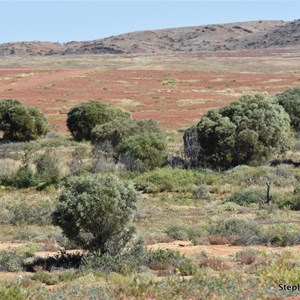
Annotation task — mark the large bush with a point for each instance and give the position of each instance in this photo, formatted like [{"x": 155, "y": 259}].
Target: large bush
[
  {"x": 143, "y": 152},
  {"x": 84, "y": 117},
  {"x": 117, "y": 130},
  {"x": 290, "y": 100},
  {"x": 248, "y": 131},
  {"x": 21, "y": 123},
  {"x": 94, "y": 212}
]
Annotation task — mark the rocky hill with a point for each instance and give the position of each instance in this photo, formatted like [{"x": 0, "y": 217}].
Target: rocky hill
[{"x": 231, "y": 36}]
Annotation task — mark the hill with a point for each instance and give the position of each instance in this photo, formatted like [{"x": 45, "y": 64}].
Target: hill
[{"x": 231, "y": 36}]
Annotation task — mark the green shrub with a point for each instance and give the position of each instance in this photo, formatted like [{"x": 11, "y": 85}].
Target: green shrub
[
  {"x": 34, "y": 212},
  {"x": 185, "y": 233},
  {"x": 12, "y": 260},
  {"x": 23, "y": 178},
  {"x": 13, "y": 293},
  {"x": 280, "y": 235},
  {"x": 167, "y": 179},
  {"x": 239, "y": 231},
  {"x": 48, "y": 168},
  {"x": 94, "y": 211},
  {"x": 163, "y": 255},
  {"x": 290, "y": 101},
  {"x": 21, "y": 123},
  {"x": 201, "y": 192},
  {"x": 117, "y": 130},
  {"x": 143, "y": 152},
  {"x": 248, "y": 196},
  {"x": 44, "y": 278},
  {"x": 84, "y": 117},
  {"x": 186, "y": 267},
  {"x": 125, "y": 262},
  {"x": 248, "y": 131}
]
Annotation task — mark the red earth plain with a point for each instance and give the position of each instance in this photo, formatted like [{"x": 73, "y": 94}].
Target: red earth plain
[{"x": 174, "y": 98}]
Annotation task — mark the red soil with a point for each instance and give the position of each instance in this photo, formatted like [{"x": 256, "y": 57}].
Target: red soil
[{"x": 139, "y": 91}]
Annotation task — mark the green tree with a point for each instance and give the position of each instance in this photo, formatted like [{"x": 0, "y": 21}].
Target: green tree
[
  {"x": 21, "y": 123},
  {"x": 143, "y": 152},
  {"x": 84, "y": 117},
  {"x": 248, "y": 131},
  {"x": 290, "y": 101},
  {"x": 94, "y": 211},
  {"x": 119, "y": 129}
]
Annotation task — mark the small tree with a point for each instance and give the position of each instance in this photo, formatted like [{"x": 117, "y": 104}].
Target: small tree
[
  {"x": 84, "y": 117},
  {"x": 290, "y": 101},
  {"x": 143, "y": 152},
  {"x": 248, "y": 131},
  {"x": 21, "y": 123},
  {"x": 94, "y": 211},
  {"x": 119, "y": 129}
]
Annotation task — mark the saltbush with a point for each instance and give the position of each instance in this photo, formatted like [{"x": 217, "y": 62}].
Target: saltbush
[{"x": 94, "y": 212}]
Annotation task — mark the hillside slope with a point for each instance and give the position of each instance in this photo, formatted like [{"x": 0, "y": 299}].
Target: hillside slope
[{"x": 231, "y": 36}]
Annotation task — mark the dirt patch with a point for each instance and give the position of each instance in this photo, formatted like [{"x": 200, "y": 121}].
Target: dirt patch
[{"x": 185, "y": 247}]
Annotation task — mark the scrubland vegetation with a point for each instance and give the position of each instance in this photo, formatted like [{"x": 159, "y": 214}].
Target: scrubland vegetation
[{"x": 109, "y": 212}]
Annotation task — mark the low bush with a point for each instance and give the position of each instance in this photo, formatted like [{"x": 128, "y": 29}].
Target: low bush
[
  {"x": 167, "y": 179},
  {"x": 248, "y": 196},
  {"x": 13, "y": 292},
  {"x": 186, "y": 233},
  {"x": 27, "y": 211},
  {"x": 186, "y": 267},
  {"x": 11, "y": 260},
  {"x": 213, "y": 263},
  {"x": 239, "y": 231},
  {"x": 125, "y": 262},
  {"x": 44, "y": 278},
  {"x": 23, "y": 178}
]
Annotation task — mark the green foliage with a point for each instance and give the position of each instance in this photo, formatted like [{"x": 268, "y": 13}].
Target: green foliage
[
  {"x": 186, "y": 267},
  {"x": 23, "y": 178},
  {"x": 13, "y": 293},
  {"x": 94, "y": 211},
  {"x": 84, "y": 117},
  {"x": 117, "y": 130},
  {"x": 28, "y": 212},
  {"x": 44, "y": 278},
  {"x": 21, "y": 123},
  {"x": 248, "y": 196},
  {"x": 201, "y": 192},
  {"x": 143, "y": 152},
  {"x": 163, "y": 255},
  {"x": 240, "y": 232},
  {"x": 48, "y": 168},
  {"x": 185, "y": 233},
  {"x": 167, "y": 179},
  {"x": 12, "y": 260},
  {"x": 168, "y": 81},
  {"x": 125, "y": 262},
  {"x": 290, "y": 101},
  {"x": 248, "y": 131}
]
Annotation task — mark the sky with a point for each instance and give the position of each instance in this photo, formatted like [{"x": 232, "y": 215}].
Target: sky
[{"x": 63, "y": 21}]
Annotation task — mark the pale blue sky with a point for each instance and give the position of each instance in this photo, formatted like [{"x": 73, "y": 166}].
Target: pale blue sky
[{"x": 62, "y": 21}]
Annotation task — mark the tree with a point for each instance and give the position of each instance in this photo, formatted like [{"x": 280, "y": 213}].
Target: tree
[
  {"x": 290, "y": 101},
  {"x": 119, "y": 129},
  {"x": 21, "y": 123},
  {"x": 94, "y": 211},
  {"x": 84, "y": 117},
  {"x": 248, "y": 131},
  {"x": 143, "y": 152}
]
